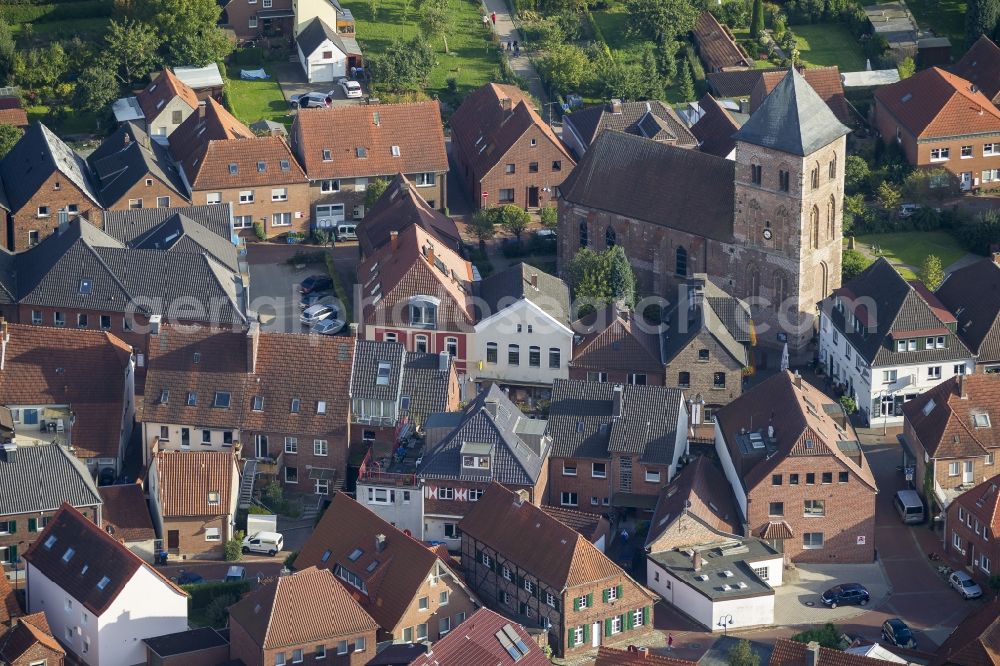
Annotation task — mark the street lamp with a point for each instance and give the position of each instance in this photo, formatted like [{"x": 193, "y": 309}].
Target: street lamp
[{"x": 724, "y": 622}]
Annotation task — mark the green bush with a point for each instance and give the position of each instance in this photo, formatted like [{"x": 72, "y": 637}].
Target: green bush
[
  {"x": 217, "y": 612},
  {"x": 304, "y": 257},
  {"x": 234, "y": 547},
  {"x": 258, "y": 230},
  {"x": 202, "y": 594},
  {"x": 338, "y": 289},
  {"x": 290, "y": 560},
  {"x": 827, "y": 636},
  {"x": 549, "y": 216},
  {"x": 44, "y": 13}
]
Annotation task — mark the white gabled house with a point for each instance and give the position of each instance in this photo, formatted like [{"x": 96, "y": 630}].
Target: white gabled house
[
  {"x": 523, "y": 337},
  {"x": 100, "y": 599},
  {"x": 325, "y": 54},
  {"x": 887, "y": 340}
]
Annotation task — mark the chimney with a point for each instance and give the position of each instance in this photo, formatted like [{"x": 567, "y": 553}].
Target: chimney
[
  {"x": 253, "y": 333},
  {"x": 521, "y": 496},
  {"x": 996, "y": 258},
  {"x": 443, "y": 360},
  {"x": 394, "y": 240},
  {"x": 616, "y": 401},
  {"x": 4, "y": 339},
  {"x": 379, "y": 543},
  {"x": 9, "y": 451},
  {"x": 154, "y": 324},
  {"x": 534, "y": 280},
  {"x": 696, "y": 561},
  {"x": 797, "y": 379},
  {"x": 429, "y": 253},
  {"x": 616, "y": 106},
  {"x": 812, "y": 654},
  {"x": 963, "y": 390},
  {"x": 507, "y": 104}
]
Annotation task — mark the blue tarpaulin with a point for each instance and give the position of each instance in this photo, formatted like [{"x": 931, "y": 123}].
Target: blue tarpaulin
[{"x": 253, "y": 74}]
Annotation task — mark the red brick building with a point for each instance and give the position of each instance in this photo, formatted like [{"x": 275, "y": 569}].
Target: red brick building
[
  {"x": 981, "y": 66},
  {"x": 971, "y": 528},
  {"x": 490, "y": 637},
  {"x": 940, "y": 120},
  {"x": 504, "y": 152},
  {"x": 530, "y": 567},
  {"x": 29, "y": 642},
  {"x": 305, "y": 617},
  {"x": 798, "y": 473},
  {"x": 132, "y": 171},
  {"x": 975, "y": 641},
  {"x": 617, "y": 346},
  {"x": 165, "y": 104}
]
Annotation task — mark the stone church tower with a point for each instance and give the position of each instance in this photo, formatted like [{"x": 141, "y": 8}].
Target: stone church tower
[{"x": 787, "y": 227}]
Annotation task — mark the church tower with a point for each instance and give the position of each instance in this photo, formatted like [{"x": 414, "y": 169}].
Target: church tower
[{"x": 788, "y": 214}]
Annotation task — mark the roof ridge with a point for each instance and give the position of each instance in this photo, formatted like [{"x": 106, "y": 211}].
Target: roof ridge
[{"x": 114, "y": 276}]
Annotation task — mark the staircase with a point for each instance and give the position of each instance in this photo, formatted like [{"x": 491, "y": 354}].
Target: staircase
[
  {"x": 310, "y": 511},
  {"x": 246, "y": 483}
]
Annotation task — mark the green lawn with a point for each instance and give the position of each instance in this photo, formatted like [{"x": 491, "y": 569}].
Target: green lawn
[
  {"x": 612, "y": 22},
  {"x": 825, "y": 44},
  {"x": 912, "y": 247},
  {"x": 76, "y": 122},
  {"x": 253, "y": 100},
  {"x": 471, "y": 61},
  {"x": 85, "y": 28},
  {"x": 945, "y": 17}
]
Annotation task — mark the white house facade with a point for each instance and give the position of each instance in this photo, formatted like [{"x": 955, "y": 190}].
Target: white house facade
[
  {"x": 402, "y": 506},
  {"x": 522, "y": 344},
  {"x": 324, "y": 53}
]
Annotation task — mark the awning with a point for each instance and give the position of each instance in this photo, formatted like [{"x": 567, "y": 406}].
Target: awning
[
  {"x": 776, "y": 530},
  {"x": 634, "y": 501},
  {"x": 322, "y": 473}
]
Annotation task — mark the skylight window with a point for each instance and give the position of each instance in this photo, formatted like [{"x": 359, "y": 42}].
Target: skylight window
[
  {"x": 327, "y": 155},
  {"x": 222, "y": 399},
  {"x": 197, "y": 357},
  {"x": 355, "y": 554},
  {"x": 51, "y": 541},
  {"x": 103, "y": 583},
  {"x": 86, "y": 287},
  {"x": 214, "y": 498},
  {"x": 296, "y": 404},
  {"x": 982, "y": 420},
  {"x": 258, "y": 403},
  {"x": 929, "y": 407},
  {"x": 192, "y": 399},
  {"x": 395, "y": 151},
  {"x": 362, "y": 152},
  {"x": 382, "y": 379},
  {"x": 68, "y": 555},
  {"x": 285, "y": 166},
  {"x": 234, "y": 169},
  {"x": 371, "y": 567},
  {"x": 326, "y": 556},
  {"x": 261, "y": 166},
  {"x": 321, "y": 407},
  {"x": 84, "y": 569},
  {"x": 164, "y": 396}
]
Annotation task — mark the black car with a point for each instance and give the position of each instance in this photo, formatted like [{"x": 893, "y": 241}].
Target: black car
[
  {"x": 896, "y": 632},
  {"x": 316, "y": 283},
  {"x": 189, "y": 578},
  {"x": 846, "y": 594}
]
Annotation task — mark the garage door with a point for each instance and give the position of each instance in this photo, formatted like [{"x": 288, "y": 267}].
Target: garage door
[
  {"x": 329, "y": 215},
  {"x": 323, "y": 72}
]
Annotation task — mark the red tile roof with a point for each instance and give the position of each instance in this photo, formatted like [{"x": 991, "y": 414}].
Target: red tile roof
[
  {"x": 935, "y": 304},
  {"x": 9, "y": 608},
  {"x": 476, "y": 642},
  {"x": 402, "y": 565},
  {"x": 186, "y": 479},
  {"x": 414, "y": 131},
  {"x": 607, "y": 656},
  {"x": 717, "y": 49},
  {"x": 67, "y": 366},
  {"x": 484, "y": 131},
  {"x": 96, "y": 556},
  {"x": 12, "y": 113},
  {"x": 975, "y": 642},
  {"x": 583, "y": 522},
  {"x": 310, "y": 606},
  {"x": 824, "y": 80},
  {"x": 948, "y": 428},
  {"x": 934, "y": 103},
  {"x": 613, "y": 339},
  {"x": 124, "y": 514},
  {"x": 402, "y": 206},
  {"x": 700, "y": 490},
  {"x": 981, "y": 65},
  {"x": 161, "y": 90},
  {"x": 793, "y": 653},
  {"x": 983, "y": 502},
  {"x": 29, "y": 631}
]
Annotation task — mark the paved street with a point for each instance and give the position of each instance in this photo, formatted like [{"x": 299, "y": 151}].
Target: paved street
[{"x": 521, "y": 65}]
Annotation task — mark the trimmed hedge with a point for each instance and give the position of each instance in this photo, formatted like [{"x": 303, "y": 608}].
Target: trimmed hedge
[
  {"x": 51, "y": 11},
  {"x": 203, "y": 593}
]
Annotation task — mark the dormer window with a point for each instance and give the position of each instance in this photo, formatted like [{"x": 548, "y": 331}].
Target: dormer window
[
  {"x": 296, "y": 403},
  {"x": 382, "y": 378},
  {"x": 222, "y": 399},
  {"x": 258, "y": 403},
  {"x": 214, "y": 499},
  {"x": 476, "y": 462},
  {"x": 423, "y": 311}
]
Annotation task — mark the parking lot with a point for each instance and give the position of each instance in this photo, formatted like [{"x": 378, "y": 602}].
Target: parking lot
[
  {"x": 797, "y": 601},
  {"x": 292, "y": 81}
]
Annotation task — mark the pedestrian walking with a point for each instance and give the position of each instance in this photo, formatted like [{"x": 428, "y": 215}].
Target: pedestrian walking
[
  {"x": 493, "y": 17},
  {"x": 517, "y": 51},
  {"x": 486, "y": 20},
  {"x": 670, "y": 642},
  {"x": 624, "y": 536}
]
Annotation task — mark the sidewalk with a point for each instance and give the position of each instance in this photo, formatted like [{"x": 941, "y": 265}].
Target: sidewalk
[{"x": 521, "y": 66}]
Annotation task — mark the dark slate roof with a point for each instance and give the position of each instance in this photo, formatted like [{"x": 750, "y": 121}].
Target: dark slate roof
[
  {"x": 127, "y": 157},
  {"x": 426, "y": 384},
  {"x": 706, "y": 307},
  {"x": 40, "y": 478},
  {"x": 736, "y": 83},
  {"x": 583, "y": 424},
  {"x": 972, "y": 294},
  {"x": 128, "y": 225},
  {"x": 367, "y": 356},
  {"x": 638, "y": 118},
  {"x": 35, "y": 157},
  {"x": 179, "y": 233},
  {"x": 792, "y": 119},
  {"x": 315, "y": 33},
  {"x": 900, "y": 310},
  {"x": 503, "y": 289},
  {"x": 490, "y": 419},
  {"x": 652, "y": 181},
  {"x": 715, "y": 128}
]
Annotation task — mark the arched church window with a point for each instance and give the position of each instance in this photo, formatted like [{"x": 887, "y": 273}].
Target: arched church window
[
  {"x": 682, "y": 261},
  {"x": 609, "y": 237}
]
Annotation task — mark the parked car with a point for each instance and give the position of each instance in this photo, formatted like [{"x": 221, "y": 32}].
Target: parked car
[
  {"x": 896, "y": 632},
  {"x": 235, "y": 574},
  {"x": 312, "y": 298},
  {"x": 965, "y": 585},
  {"x": 316, "y": 283},
  {"x": 189, "y": 578},
  {"x": 351, "y": 88},
  {"x": 310, "y": 100},
  {"x": 316, "y": 313},
  {"x": 908, "y": 209},
  {"x": 546, "y": 234},
  {"x": 329, "y": 326},
  {"x": 107, "y": 476},
  {"x": 846, "y": 594},
  {"x": 269, "y": 543}
]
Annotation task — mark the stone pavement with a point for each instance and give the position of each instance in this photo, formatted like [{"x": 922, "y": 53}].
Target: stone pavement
[
  {"x": 797, "y": 600},
  {"x": 521, "y": 65}
]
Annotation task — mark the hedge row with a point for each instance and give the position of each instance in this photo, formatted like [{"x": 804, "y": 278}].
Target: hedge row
[
  {"x": 203, "y": 593},
  {"x": 56, "y": 11}
]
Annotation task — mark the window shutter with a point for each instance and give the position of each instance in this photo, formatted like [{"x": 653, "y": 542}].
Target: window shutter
[
  {"x": 586, "y": 633},
  {"x": 606, "y": 594},
  {"x": 621, "y": 591},
  {"x": 569, "y": 638},
  {"x": 32, "y": 524},
  {"x": 555, "y": 603},
  {"x": 627, "y": 624},
  {"x": 645, "y": 616},
  {"x": 590, "y": 600},
  {"x": 13, "y": 527},
  {"x": 576, "y": 604},
  {"x": 607, "y": 626},
  {"x": 12, "y": 554}
]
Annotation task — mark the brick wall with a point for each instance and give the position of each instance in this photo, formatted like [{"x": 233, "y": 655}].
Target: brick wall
[
  {"x": 22, "y": 537},
  {"x": 683, "y": 532},
  {"x": 191, "y": 533},
  {"x": 971, "y": 545},
  {"x": 242, "y": 647},
  {"x": 208, "y": 657},
  {"x": 238, "y": 15},
  {"x": 437, "y": 340},
  {"x": 350, "y": 196},
  {"x": 941, "y": 468},
  {"x": 351, "y": 658},
  {"x": 584, "y": 484},
  {"x": 56, "y": 192},
  {"x": 522, "y": 155},
  {"x": 458, "y": 602},
  {"x": 631, "y": 597},
  {"x": 702, "y": 373},
  {"x": 39, "y": 654},
  {"x": 148, "y": 195},
  {"x": 849, "y": 507},
  {"x": 263, "y": 208},
  {"x": 336, "y": 458},
  {"x": 654, "y": 376}
]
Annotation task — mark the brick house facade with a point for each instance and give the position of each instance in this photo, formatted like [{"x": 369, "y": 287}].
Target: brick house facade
[
  {"x": 617, "y": 346},
  {"x": 19, "y": 531},
  {"x": 801, "y": 481},
  {"x": 971, "y": 527},
  {"x": 582, "y": 597},
  {"x": 29, "y": 642},
  {"x": 251, "y": 19},
  {"x": 504, "y": 152}
]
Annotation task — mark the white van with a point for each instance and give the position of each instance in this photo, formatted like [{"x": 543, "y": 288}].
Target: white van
[
  {"x": 269, "y": 543},
  {"x": 909, "y": 506},
  {"x": 347, "y": 232}
]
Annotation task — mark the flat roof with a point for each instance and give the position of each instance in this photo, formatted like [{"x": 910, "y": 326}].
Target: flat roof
[
  {"x": 199, "y": 77},
  {"x": 726, "y": 571},
  {"x": 878, "y": 77},
  {"x": 443, "y": 420},
  {"x": 182, "y": 642},
  {"x": 127, "y": 108}
]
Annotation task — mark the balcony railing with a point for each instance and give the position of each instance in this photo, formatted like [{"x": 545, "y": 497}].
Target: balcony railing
[
  {"x": 270, "y": 466},
  {"x": 372, "y": 472}
]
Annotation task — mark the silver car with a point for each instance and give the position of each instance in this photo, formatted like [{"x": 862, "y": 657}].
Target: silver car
[
  {"x": 310, "y": 100},
  {"x": 315, "y": 313},
  {"x": 328, "y": 326},
  {"x": 965, "y": 585}
]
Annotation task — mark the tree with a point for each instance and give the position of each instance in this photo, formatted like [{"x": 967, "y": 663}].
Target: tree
[
  {"x": 548, "y": 216},
  {"x": 852, "y": 265},
  {"x": 757, "y": 19},
  {"x": 565, "y": 67},
  {"x": 514, "y": 219},
  {"x": 7, "y": 48},
  {"x": 188, "y": 30},
  {"x": 856, "y": 173},
  {"x": 130, "y": 47},
  {"x": 686, "y": 84},
  {"x": 742, "y": 653},
  {"x": 41, "y": 69},
  {"x": 402, "y": 66},
  {"x": 589, "y": 279},
  {"x": 906, "y": 68},
  {"x": 436, "y": 19},
  {"x": 980, "y": 19},
  {"x": 616, "y": 79},
  {"x": 621, "y": 278},
  {"x": 888, "y": 195},
  {"x": 96, "y": 88},
  {"x": 649, "y": 76},
  {"x": 483, "y": 226},
  {"x": 827, "y": 636},
  {"x": 931, "y": 272},
  {"x": 661, "y": 20},
  {"x": 9, "y": 135},
  {"x": 374, "y": 190}
]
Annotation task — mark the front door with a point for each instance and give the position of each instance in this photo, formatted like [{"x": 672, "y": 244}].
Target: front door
[
  {"x": 967, "y": 472},
  {"x": 532, "y": 197},
  {"x": 185, "y": 437},
  {"x": 595, "y": 634},
  {"x": 173, "y": 539},
  {"x": 965, "y": 180}
]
